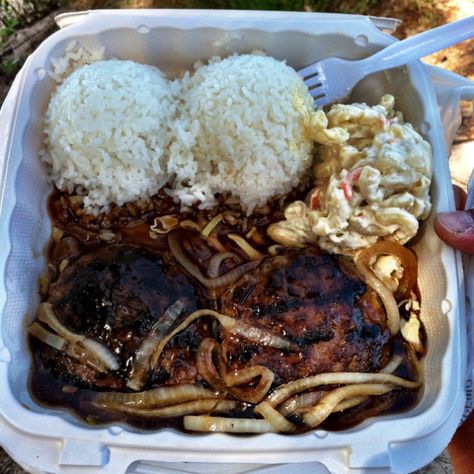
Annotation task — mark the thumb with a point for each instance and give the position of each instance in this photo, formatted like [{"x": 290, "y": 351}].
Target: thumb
[{"x": 456, "y": 229}]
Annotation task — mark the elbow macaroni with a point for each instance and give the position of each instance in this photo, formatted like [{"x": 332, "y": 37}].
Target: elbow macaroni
[{"x": 372, "y": 178}]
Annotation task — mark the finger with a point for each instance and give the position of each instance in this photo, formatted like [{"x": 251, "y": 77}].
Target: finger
[
  {"x": 460, "y": 447},
  {"x": 456, "y": 229}
]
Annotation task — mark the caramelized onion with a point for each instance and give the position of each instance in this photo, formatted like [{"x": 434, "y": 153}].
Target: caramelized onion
[
  {"x": 213, "y": 223},
  {"x": 261, "y": 336},
  {"x": 335, "y": 378},
  {"x": 303, "y": 401},
  {"x": 72, "y": 349},
  {"x": 57, "y": 234},
  {"x": 205, "y": 365},
  {"x": 257, "y": 238},
  {"x": 107, "y": 236},
  {"x": 227, "y": 382},
  {"x": 252, "y": 333},
  {"x": 212, "y": 283},
  {"x": 78, "y": 352},
  {"x": 43, "y": 282},
  {"x": 299, "y": 402},
  {"x": 179, "y": 409},
  {"x": 101, "y": 352},
  {"x": 47, "y": 316},
  {"x": 329, "y": 402},
  {"x": 407, "y": 259},
  {"x": 96, "y": 349},
  {"x": 365, "y": 258},
  {"x": 239, "y": 377},
  {"x": 232, "y": 325},
  {"x": 157, "y": 397},
  {"x": 141, "y": 362},
  {"x": 388, "y": 300},
  {"x": 388, "y": 369},
  {"x": 189, "y": 224},
  {"x": 278, "y": 422},
  {"x": 251, "y": 253},
  {"x": 215, "y": 243},
  {"x": 231, "y": 217},
  {"x": 226, "y": 425},
  {"x": 350, "y": 403},
  {"x": 393, "y": 364},
  {"x": 164, "y": 224},
  {"x": 250, "y": 233},
  {"x": 332, "y": 401},
  {"x": 53, "y": 340},
  {"x": 216, "y": 261},
  {"x": 275, "y": 250},
  {"x": 85, "y": 236}
]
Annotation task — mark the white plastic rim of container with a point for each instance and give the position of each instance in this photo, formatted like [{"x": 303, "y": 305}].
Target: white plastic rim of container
[{"x": 48, "y": 440}]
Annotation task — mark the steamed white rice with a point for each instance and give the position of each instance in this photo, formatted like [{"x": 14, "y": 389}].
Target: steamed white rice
[
  {"x": 240, "y": 132},
  {"x": 108, "y": 129},
  {"x": 118, "y": 131}
]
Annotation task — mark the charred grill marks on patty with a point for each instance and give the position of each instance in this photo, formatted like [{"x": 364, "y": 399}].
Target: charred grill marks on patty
[
  {"x": 115, "y": 294},
  {"x": 318, "y": 302}
]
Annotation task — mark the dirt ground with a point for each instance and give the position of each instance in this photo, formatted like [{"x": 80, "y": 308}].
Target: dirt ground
[{"x": 418, "y": 16}]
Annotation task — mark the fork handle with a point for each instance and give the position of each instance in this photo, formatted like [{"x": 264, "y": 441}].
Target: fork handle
[{"x": 420, "y": 45}]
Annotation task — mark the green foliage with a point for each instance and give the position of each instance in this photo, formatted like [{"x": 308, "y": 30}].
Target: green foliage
[
  {"x": 18, "y": 15},
  {"x": 427, "y": 9},
  {"x": 9, "y": 68},
  {"x": 9, "y": 20}
]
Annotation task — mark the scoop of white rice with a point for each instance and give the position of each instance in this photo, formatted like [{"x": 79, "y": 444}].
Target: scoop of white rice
[
  {"x": 108, "y": 127},
  {"x": 240, "y": 132}
]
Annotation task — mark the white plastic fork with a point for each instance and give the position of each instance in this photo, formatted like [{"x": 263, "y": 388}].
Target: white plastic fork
[{"x": 332, "y": 79}]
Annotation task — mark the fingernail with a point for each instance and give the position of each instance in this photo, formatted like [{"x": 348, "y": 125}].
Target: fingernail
[{"x": 457, "y": 221}]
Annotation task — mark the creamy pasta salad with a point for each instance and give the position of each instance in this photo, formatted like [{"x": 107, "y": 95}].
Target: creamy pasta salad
[{"x": 372, "y": 181}]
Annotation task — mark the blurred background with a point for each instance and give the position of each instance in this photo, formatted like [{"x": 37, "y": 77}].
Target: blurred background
[{"x": 24, "y": 24}]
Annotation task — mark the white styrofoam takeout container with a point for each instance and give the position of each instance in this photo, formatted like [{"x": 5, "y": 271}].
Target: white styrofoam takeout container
[{"x": 46, "y": 440}]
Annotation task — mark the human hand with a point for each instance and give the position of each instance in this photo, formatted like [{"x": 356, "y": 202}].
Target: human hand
[
  {"x": 456, "y": 228},
  {"x": 461, "y": 447}
]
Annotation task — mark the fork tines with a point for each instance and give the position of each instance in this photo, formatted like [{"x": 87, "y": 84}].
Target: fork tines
[{"x": 314, "y": 79}]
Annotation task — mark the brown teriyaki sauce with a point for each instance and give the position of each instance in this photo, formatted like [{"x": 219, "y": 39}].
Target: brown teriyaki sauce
[{"x": 110, "y": 279}]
